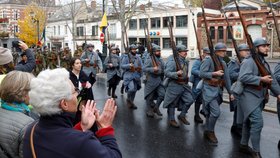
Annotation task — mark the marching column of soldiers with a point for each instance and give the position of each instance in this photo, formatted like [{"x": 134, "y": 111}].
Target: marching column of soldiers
[{"x": 167, "y": 85}]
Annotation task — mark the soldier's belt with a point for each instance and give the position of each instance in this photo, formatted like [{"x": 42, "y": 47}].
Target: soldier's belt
[
  {"x": 39, "y": 62},
  {"x": 215, "y": 82},
  {"x": 182, "y": 81}
]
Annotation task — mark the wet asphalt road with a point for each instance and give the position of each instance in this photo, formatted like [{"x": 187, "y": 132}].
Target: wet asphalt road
[{"x": 141, "y": 137}]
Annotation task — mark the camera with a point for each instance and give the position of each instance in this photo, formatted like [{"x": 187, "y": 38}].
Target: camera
[{"x": 15, "y": 44}]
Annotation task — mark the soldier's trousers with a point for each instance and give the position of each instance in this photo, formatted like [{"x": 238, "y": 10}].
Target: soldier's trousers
[
  {"x": 131, "y": 96},
  {"x": 252, "y": 127},
  {"x": 159, "y": 92},
  {"x": 213, "y": 112},
  {"x": 186, "y": 100}
]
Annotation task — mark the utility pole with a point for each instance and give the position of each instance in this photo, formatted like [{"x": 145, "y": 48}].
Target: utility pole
[{"x": 104, "y": 48}]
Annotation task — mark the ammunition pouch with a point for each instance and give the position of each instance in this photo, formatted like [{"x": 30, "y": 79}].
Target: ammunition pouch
[
  {"x": 182, "y": 81},
  {"x": 215, "y": 82}
]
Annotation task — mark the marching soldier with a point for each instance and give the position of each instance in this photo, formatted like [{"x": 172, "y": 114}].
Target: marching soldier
[
  {"x": 112, "y": 63},
  {"x": 213, "y": 82},
  {"x": 52, "y": 59},
  {"x": 39, "y": 58},
  {"x": 91, "y": 63},
  {"x": 234, "y": 68},
  {"x": 45, "y": 55},
  {"x": 178, "y": 92},
  {"x": 153, "y": 85},
  {"x": 132, "y": 67},
  {"x": 65, "y": 57},
  {"x": 254, "y": 96},
  {"x": 195, "y": 79},
  {"x": 277, "y": 77},
  {"x": 78, "y": 52}
]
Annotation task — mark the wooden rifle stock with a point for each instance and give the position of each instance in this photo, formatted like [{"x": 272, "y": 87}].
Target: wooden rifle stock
[
  {"x": 262, "y": 69},
  {"x": 216, "y": 61},
  {"x": 275, "y": 23},
  {"x": 149, "y": 45},
  {"x": 197, "y": 41},
  {"x": 175, "y": 55}
]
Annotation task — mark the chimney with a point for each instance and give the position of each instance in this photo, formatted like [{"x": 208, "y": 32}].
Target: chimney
[{"x": 93, "y": 4}]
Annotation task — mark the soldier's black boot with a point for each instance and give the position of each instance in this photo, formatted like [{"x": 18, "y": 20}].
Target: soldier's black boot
[
  {"x": 256, "y": 155},
  {"x": 109, "y": 91},
  {"x": 245, "y": 149},
  {"x": 113, "y": 93},
  {"x": 150, "y": 112},
  {"x": 197, "y": 119},
  {"x": 157, "y": 111},
  {"x": 279, "y": 145}
]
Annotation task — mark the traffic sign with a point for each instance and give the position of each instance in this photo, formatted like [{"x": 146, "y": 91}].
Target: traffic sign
[{"x": 102, "y": 37}]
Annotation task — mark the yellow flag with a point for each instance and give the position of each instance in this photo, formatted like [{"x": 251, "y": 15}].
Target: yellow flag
[{"x": 104, "y": 23}]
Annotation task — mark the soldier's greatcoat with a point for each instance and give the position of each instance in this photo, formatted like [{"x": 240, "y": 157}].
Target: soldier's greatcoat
[
  {"x": 252, "y": 98},
  {"x": 154, "y": 79},
  {"x": 115, "y": 70},
  {"x": 209, "y": 93},
  {"x": 94, "y": 64},
  {"x": 131, "y": 80},
  {"x": 277, "y": 77},
  {"x": 174, "y": 90}
]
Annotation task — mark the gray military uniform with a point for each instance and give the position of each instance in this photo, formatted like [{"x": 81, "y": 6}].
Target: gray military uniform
[
  {"x": 111, "y": 72},
  {"x": 177, "y": 94},
  {"x": 212, "y": 95},
  {"x": 94, "y": 64},
  {"x": 252, "y": 101},
  {"x": 153, "y": 86},
  {"x": 277, "y": 77}
]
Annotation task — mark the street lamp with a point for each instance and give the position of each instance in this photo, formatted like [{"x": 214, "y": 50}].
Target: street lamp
[{"x": 34, "y": 20}]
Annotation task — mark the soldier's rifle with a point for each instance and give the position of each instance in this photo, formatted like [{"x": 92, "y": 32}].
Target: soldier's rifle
[
  {"x": 216, "y": 61},
  {"x": 275, "y": 23},
  {"x": 127, "y": 52},
  {"x": 173, "y": 46},
  {"x": 197, "y": 40},
  {"x": 262, "y": 69},
  {"x": 230, "y": 31},
  {"x": 149, "y": 45}
]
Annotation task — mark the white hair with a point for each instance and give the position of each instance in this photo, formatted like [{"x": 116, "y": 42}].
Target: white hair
[{"x": 49, "y": 89}]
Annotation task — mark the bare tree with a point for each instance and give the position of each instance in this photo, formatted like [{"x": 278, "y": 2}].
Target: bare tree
[
  {"x": 72, "y": 12},
  {"x": 124, "y": 12}
]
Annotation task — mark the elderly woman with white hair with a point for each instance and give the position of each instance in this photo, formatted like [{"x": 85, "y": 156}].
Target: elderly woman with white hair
[{"x": 54, "y": 96}]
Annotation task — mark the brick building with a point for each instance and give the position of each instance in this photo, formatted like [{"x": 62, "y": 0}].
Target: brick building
[{"x": 256, "y": 16}]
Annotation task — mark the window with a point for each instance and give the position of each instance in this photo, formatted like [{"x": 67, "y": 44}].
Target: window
[
  {"x": 165, "y": 21},
  {"x": 58, "y": 30},
  {"x": 132, "y": 40},
  {"x": 80, "y": 31},
  {"x": 113, "y": 31},
  {"x": 220, "y": 32},
  {"x": 155, "y": 41},
  {"x": 181, "y": 21},
  {"x": 65, "y": 29},
  {"x": 133, "y": 24},
  {"x": 143, "y": 22},
  {"x": 182, "y": 40},
  {"x": 94, "y": 30},
  {"x": 212, "y": 32},
  {"x": 3, "y": 14},
  {"x": 54, "y": 30},
  {"x": 228, "y": 32},
  {"x": 166, "y": 43},
  {"x": 143, "y": 41},
  {"x": 155, "y": 22},
  {"x": 16, "y": 14}
]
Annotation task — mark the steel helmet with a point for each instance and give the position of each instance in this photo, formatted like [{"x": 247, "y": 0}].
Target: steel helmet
[
  {"x": 260, "y": 41},
  {"x": 220, "y": 46},
  {"x": 181, "y": 48},
  {"x": 243, "y": 46}
]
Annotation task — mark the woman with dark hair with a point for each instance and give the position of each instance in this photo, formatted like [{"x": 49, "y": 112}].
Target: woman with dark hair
[{"x": 81, "y": 82}]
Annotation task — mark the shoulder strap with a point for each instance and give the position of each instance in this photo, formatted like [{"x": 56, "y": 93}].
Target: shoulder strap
[{"x": 31, "y": 140}]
